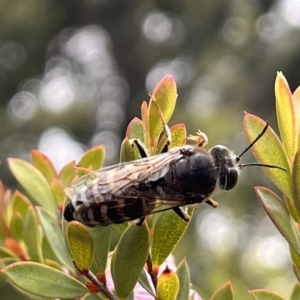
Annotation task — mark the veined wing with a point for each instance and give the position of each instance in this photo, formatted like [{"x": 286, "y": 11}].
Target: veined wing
[{"x": 114, "y": 179}]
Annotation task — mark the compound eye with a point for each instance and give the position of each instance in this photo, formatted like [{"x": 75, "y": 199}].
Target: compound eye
[{"x": 232, "y": 178}]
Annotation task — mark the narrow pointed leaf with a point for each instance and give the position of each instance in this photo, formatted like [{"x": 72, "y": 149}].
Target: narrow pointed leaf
[
  {"x": 184, "y": 280},
  {"x": 16, "y": 226},
  {"x": 34, "y": 182},
  {"x": 269, "y": 150},
  {"x": 145, "y": 120},
  {"x": 58, "y": 191},
  {"x": 296, "y": 98},
  {"x": 42, "y": 162},
  {"x": 44, "y": 281},
  {"x": 20, "y": 203},
  {"x": 93, "y": 157},
  {"x": 286, "y": 115},
  {"x": 81, "y": 244},
  {"x": 129, "y": 259},
  {"x": 144, "y": 281},
  {"x": 264, "y": 295},
  {"x": 296, "y": 262},
  {"x": 165, "y": 95},
  {"x": 167, "y": 286},
  {"x": 55, "y": 237},
  {"x": 295, "y": 292},
  {"x": 280, "y": 216},
  {"x": 168, "y": 230},
  {"x": 223, "y": 293}
]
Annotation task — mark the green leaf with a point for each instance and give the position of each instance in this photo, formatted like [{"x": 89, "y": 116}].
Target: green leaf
[
  {"x": 93, "y": 157},
  {"x": 296, "y": 180},
  {"x": 44, "y": 281},
  {"x": 81, "y": 244},
  {"x": 184, "y": 280},
  {"x": 129, "y": 259},
  {"x": 178, "y": 133},
  {"x": 223, "y": 293},
  {"x": 58, "y": 191},
  {"x": 296, "y": 262},
  {"x": 20, "y": 203},
  {"x": 16, "y": 226},
  {"x": 295, "y": 292},
  {"x": 260, "y": 294},
  {"x": 43, "y": 164},
  {"x": 167, "y": 285},
  {"x": 135, "y": 129},
  {"x": 144, "y": 282},
  {"x": 55, "y": 237},
  {"x": 167, "y": 232},
  {"x": 127, "y": 152},
  {"x": 165, "y": 95},
  {"x": 5, "y": 252},
  {"x": 145, "y": 120},
  {"x": 280, "y": 216},
  {"x": 269, "y": 150},
  {"x": 32, "y": 236},
  {"x": 66, "y": 175},
  {"x": 101, "y": 236},
  {"x": 286, "y": 115},
  {"x": 34, "y": 182}
]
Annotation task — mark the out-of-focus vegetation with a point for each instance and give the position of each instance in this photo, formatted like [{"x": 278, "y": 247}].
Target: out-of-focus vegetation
[{"x": 73, "y": 73}]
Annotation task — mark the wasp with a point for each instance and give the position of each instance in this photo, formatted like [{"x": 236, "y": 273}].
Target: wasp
[{"x": 182, "y": 176}]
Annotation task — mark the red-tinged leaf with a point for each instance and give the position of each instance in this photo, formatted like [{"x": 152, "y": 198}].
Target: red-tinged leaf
[
  {"x": 167, "y": 285},
  {"x": 286, "y": 115},
  {"x": 58, "y": 191},
  {"x": 42, "y": 162},
  {"x": 296, "y": 180},
  {"x": 66, "y": 175},
  {"x": 44, "y": 281},
  {"x": 33, "y": 181},
  {"x": 145, "y": 120},
  {"x": 260, "y": 294},
  {"x": 93, "y": 157},
  {"x": 16, "y": 248},
  {"x": 165, "y": 95},
  {"x": 224, "y": 292},
  {"x": 269, "y": 150},
  {"x": 81, "y": 244},
  {"x": 135, "y": 129},
  {"x": 178, "y": 133},
  {"x": 280, "y": 216},
  {"x": 127, "y": 151}
]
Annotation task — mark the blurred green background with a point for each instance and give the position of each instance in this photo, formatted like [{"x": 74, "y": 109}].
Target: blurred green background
[{"x": 73, "y": 74}]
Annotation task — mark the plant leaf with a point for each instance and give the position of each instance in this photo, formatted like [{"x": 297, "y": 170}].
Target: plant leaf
[
  {"x": 286, "y": 115},
  {"x": 165, "y": 95},
  {"x": 184, "y": 280},
  {"x": 129, "y": 259},
  {"x": 34, "y": 182},
  {"x": 81, "y": 244},
  {"x": 44, "y": 281},
  {"x": 295, "y": 292},
  {"x": 260, "y": 294},
  {"x": 269, "y": 150},
  {"x": 55, "y": 237},
  {"x": 93, "y": 157},
  {"x": 58, "y": 191},
  {"x": 66, "y": 174},
  {"x": 296, "y": 180},
  {"x": 135, "y": 129},
  {"x": 223, "y": 293},
  {"x": 280, "y": 216},
  {"x": 42, "y": 162},
  {"x": 127, "y": 152},
  {"x": 167, "y": 285}
]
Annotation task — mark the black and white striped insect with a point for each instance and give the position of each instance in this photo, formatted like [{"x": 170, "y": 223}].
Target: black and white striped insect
[{"x": 187, "y": 175}]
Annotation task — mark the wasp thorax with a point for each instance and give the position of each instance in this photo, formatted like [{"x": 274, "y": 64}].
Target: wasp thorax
[{"x": 225, "y": 162}]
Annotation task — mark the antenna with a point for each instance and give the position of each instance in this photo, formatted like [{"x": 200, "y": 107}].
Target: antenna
[{"x": 258, "y": 164}]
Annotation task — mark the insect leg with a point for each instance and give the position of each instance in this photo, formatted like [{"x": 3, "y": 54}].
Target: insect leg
[
  {"x": 181, "y": 214},
  {"x": 140, "y": 221},
  {"x": 140, "y": 148},
  {"x": 212, "y": 202}
]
